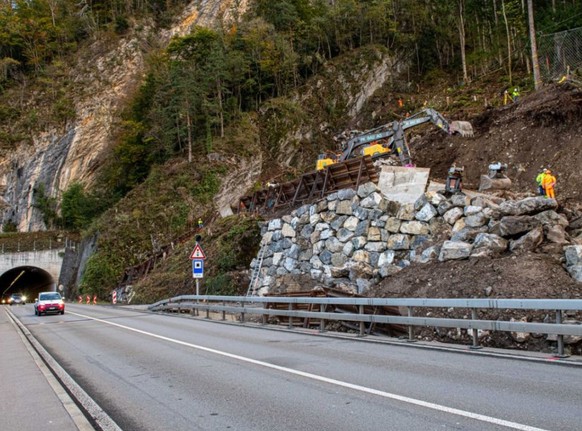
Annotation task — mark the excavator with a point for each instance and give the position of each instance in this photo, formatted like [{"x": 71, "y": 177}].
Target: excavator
[{"x": 389, "y": 138}]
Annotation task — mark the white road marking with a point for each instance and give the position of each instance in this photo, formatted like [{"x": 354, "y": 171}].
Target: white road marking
[{"x": 428, "y": 405}]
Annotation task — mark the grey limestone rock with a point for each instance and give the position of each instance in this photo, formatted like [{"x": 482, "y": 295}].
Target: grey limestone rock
[
  {"x": 452, "y": 215},
  {"x": 454, "y": 250},
  {"x": 367, "y": 189},
  {"x": 398, "y": 241},
  {"x": 414, "y": 228},
  {"x": 426, "y": 213},
  {"x": 528, "y": 242},
  {"x": 525, "y": 206},
  {"x": 515, "y": 225}
]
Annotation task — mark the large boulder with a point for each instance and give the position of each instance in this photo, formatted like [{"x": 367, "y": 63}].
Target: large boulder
[
  {"x": 414, "y": 228},
  {"x": 367, "y": 189},
  {"x": 468, "y": 234},
  {"x": 556, "y": 234},
  {"x": 528, "y": 206},
  {"x": 344, "y": 207},
  {"x": 460, "y": 200},
  {"x": 510, "y": 226},
  {"x": 406, "y": 212},
  {"x": 575, "y": 272},
  {"x": 573, "y": 254},
  {"x": 486, "y": 244},
  {"x": 454, "y": 250},
  {"x": 398, "y": 241},
  {"x": 551, "y": 217},
  {"x": 426, "y": 213},
  {"x": 452, "y": 215},
  {"x": 476, "y": 220},
  {"x": 528, "y": 242}
]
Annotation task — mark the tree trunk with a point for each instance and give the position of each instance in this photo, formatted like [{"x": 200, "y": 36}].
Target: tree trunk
[
  {"x": 462, "y": 41},
  {"x": 189, "y": 128},
  {"x": 534, "y": 48},
  {"x": 508, "y": 41}
]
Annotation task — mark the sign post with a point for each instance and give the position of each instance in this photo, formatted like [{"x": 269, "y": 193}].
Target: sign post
[{"x": 197, "y": 256}]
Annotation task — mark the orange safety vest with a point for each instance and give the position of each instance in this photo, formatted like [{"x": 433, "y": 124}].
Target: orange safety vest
[{"x": 548, "y": 181}]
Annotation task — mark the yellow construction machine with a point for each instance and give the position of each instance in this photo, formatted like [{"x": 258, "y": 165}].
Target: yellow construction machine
[{"x": 389, "y": 138}]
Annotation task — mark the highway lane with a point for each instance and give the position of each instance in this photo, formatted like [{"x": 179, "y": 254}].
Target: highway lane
[{"x": 155, "y": 372}]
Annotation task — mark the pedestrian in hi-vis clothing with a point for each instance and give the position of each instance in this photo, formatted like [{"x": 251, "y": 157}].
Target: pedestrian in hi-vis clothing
[
  {"x": 539, "y": 181},
  {"x": 548, "y": 183}
]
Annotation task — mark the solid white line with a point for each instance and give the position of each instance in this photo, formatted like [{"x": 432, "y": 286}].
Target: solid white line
[{"x": 433, "y": 406}]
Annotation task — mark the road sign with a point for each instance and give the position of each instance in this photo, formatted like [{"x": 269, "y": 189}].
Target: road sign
[
  {"x": 197, "y": 268},
  {"x": 197, "y": 253}
]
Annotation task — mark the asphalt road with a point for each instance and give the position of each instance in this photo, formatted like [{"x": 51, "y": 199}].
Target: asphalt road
[{"x": 156, "y": 372}]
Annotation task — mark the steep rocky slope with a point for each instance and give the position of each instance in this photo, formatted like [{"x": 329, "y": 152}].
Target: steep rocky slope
[{"x": 97, "y": 84}]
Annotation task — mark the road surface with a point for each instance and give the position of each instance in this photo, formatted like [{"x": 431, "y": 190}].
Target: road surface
[{"x": 157, "y": 372}]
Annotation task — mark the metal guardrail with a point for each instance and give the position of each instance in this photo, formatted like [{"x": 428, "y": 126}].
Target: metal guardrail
[{"x": 248, "y": 305}]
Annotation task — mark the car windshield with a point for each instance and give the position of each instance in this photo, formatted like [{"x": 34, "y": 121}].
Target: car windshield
[
  {"x": 16, "y": 295},
  {"x": 49, "y": 296}
]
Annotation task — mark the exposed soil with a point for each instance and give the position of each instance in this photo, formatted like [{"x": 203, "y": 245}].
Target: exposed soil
[{"x": 543, "y": 129}]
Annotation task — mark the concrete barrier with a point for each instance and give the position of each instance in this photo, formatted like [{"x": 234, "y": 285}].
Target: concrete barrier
[{"x": 404, "y": 185}]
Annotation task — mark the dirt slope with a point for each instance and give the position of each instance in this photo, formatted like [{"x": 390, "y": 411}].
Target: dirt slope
[{"x": 542, "y": 129}]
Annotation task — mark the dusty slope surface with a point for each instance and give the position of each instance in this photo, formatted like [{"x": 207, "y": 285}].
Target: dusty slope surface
[
  {"x": 531, "y": 275},
  {"x": 542, "y": 129}
]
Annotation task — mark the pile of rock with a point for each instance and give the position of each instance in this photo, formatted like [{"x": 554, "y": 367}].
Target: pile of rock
[{"x": 353, "y": 239}]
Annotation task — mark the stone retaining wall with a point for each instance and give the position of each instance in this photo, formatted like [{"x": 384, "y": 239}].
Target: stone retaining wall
[{"x": 353, "y": 239}]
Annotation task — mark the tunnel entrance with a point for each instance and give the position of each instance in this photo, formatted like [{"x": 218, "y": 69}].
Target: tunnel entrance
[{"x": 28, "y": 280}]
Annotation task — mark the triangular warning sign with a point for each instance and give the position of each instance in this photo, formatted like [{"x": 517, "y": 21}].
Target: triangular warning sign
[{"x": 197, "y": 253}]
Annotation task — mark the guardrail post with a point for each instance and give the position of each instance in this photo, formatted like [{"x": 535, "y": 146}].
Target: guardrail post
[
  {"x": 322, "y": 321},
  {"x": 290, "y": 323},
  {"x": 410, "y": 327},
  {"x": 242, "y": 313},
  {"x": 264, "y": 316},
  {"x": 560, "y": 336},
  {"x": 362, "y": 323},
  {"x": 224, "y": 311},
  {"x": 207, "y": 310},
  {"x": 475, "y": 345}
]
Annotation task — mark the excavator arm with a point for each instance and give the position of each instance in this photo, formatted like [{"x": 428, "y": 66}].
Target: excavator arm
[{"x": 394, "y": 134}]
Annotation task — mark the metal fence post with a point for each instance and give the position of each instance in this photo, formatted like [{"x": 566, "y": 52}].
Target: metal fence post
[
  {"x": 224, "y": 311},
  {"x": 475, "y": 345},
  {"x": 560, "y": 336},
  {"x": 362, "y": 323},
  {"x": 290, "y": 322},
  {"x": 410, "y": 327},
  {"x": 264, "y": 316},
  {"x": 322, "y": 321},
  {"x": 242, "y": 314}
]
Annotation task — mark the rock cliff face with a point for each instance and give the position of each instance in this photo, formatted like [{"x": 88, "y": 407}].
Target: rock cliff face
[
  {"x": 355, "y": 239},
  {"x": 102, "y": 82}
]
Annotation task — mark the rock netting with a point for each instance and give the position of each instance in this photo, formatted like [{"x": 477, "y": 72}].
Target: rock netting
[{"x": 353, "y": 239}]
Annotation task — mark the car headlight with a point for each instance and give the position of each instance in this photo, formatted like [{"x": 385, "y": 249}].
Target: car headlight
[{"x": 24, "y": 298}]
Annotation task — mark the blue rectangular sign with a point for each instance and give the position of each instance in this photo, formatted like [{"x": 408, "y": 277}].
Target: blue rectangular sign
[{"x": 197, "y": 268}]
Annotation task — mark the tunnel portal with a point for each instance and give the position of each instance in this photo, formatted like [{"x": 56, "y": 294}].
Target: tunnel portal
[{"x": 28, "y": 280}]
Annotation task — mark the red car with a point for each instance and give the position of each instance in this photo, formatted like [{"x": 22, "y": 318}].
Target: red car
[{"x": 49, "y": 302}]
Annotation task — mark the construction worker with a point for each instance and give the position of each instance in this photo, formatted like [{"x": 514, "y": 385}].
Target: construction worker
[
  {"x": 515, "y": 95},
  {"x": 539, "y": 181},
  {"x": 549, "y": 182}
]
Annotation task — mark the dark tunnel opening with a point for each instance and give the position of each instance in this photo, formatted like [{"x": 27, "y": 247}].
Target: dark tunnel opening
[{"x": 28, "y": 280}]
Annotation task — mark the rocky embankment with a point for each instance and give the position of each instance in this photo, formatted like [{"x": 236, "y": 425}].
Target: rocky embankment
[{"x": 355, "y": 239}]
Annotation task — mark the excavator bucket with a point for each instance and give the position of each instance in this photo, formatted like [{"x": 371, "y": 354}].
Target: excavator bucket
[{"x": 463, "y": 128}]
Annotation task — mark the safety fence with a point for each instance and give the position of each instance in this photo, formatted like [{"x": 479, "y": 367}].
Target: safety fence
[
  {"x": 560, "y": 54},
  {"x": 324, "y": 309}
]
